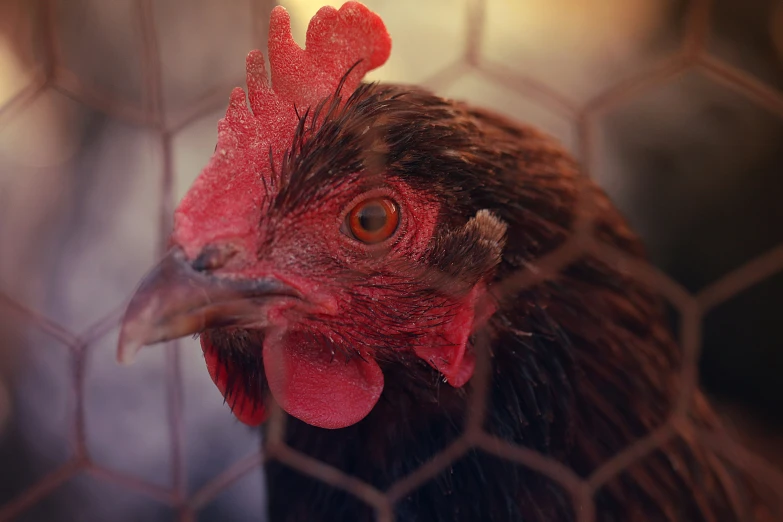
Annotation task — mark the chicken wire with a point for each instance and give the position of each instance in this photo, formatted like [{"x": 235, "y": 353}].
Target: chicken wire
[{"x": 151, "y": 111}]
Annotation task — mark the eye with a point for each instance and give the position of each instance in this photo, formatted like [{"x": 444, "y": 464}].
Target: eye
[{"x": 374, "y": 220}]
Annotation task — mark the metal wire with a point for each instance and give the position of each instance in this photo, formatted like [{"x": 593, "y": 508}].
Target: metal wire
[{"x": 692, "y": 54}]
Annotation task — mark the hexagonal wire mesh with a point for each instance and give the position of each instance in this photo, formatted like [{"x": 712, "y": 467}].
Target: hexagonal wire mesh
[{"x": 153, "y": 110}]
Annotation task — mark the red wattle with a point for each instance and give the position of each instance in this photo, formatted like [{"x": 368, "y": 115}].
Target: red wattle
[{"x": 319, "y": 387}]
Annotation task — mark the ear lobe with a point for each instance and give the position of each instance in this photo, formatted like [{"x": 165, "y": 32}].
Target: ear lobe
[
  {"x": 465, "y": 258},
  {"x": 447, "y": 348}
]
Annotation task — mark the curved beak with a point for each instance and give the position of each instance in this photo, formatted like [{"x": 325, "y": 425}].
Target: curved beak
[{"x": 175, "y": 300}]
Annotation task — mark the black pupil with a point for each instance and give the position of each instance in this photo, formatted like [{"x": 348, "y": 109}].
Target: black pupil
[{"x": 372, "y": 217}]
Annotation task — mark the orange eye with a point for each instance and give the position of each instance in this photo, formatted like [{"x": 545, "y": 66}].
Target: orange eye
[{"x": 374, "y": 220}]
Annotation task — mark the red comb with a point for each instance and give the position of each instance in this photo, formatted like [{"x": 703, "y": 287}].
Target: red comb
[
  {"x": 230, "y": 188},
  {"x": 336, "y": 40}
]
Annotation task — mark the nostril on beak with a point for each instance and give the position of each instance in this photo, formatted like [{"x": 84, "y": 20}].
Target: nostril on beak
[{"x": 213, "y": 257}]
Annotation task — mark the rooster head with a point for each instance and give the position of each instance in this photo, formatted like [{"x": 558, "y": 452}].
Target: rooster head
[{"x": 330, "y": 233}]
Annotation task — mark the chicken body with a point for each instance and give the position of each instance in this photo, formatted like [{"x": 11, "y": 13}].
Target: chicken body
[
  {"x": 582, "y": 365},
  {"x": 344, "y": 251}
]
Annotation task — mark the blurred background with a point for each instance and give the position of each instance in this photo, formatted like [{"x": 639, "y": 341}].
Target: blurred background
[{"x": 109, "y": 109}]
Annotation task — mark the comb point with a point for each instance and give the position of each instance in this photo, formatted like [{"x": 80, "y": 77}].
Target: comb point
[
  {"x": 256, "y": 70},
  {"x": 320, "y": 26},
  {"x": 280, "y": 28},
  {"x": 258, "y": 89},
  {"x": 237, "y": 103}
]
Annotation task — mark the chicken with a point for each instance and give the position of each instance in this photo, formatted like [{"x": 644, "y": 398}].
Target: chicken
[{"x": 345, "y": 250}]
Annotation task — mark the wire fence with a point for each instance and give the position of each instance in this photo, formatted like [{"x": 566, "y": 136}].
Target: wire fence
[{"x": 692, "y": 55}]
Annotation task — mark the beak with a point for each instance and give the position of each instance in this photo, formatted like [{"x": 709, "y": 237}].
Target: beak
[{"x": 175, "y": 300}]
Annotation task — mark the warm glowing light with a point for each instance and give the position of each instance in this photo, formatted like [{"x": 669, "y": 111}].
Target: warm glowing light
[
  {"x": 15, "y": 49},
  {"x": 13, "y": 76},
  {"x": 44, "y": 137}
]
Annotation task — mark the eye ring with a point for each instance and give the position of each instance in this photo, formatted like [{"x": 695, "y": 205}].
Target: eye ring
[{"x": 373, "y": 220}]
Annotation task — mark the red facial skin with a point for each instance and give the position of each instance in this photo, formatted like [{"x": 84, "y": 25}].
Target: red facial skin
[
  {"x": 305, "y": 341},
  {"x": 322, "y": 354}
]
